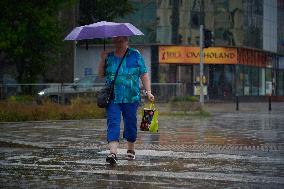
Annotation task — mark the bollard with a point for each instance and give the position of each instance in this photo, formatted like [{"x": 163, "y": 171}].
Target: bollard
[
  {"x": 237, "y": 103},
  {"x": 269, "y": 103}
]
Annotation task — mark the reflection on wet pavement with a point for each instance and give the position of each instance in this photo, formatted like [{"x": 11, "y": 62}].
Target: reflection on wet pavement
[{"x": 227, "y": 150}]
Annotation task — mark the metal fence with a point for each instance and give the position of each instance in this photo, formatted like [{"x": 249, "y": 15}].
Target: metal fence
[
  {"x": 164, "y": 92},
  {"x": 65, "y": 92}
]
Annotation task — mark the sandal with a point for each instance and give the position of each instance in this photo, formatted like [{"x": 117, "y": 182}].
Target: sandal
[
  {"x": 130, "y": 155},
  {"x": 111, "y": 158}
]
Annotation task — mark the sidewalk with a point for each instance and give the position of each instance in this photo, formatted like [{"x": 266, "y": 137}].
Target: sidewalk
[{"x": 223, "y": 107}]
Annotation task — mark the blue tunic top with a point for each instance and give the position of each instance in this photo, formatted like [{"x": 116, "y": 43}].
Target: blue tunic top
[{"x": 126, "y": 88}]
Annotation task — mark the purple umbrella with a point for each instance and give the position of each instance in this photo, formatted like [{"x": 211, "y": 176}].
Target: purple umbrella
[{"x": 103, "y": 29}]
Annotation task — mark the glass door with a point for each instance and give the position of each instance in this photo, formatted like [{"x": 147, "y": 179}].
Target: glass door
[{"x": 216, "y": 81}]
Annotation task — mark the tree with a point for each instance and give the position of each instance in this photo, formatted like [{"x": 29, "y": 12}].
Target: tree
[
  {"x": 31, "y": 35},
  {"x": 91, "y": 11},
  {"x": 103, "y": 10}
]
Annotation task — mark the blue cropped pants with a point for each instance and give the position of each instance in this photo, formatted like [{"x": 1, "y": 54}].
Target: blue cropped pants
[{"x": 129, "y": 114}]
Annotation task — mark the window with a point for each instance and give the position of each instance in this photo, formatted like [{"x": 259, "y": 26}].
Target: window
[
  {"x": 229, "y": 80},
  {"x": 261, "y": 81},
  {"x": 280, "y": 83},
  {"x": 195, "y": 19},
  {"x": 240, "y": 78},
  {"x": 247, "y": 80},
  {"x": 268, "y": 81},
  {"x": 254, "y": 81}
]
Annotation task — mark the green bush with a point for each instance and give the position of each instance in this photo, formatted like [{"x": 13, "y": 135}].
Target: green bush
[
  {"x": 185, "y": 104},
  {"x": 185, "y": 98},
  {"x": 20, "y": 98},
  {"x": 13, "y": 110}
]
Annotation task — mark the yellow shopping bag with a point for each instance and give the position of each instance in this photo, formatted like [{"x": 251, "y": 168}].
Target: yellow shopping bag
[{"x": 149, "y": 120}]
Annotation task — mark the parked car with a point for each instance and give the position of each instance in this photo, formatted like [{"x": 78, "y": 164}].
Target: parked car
[{"x": 84, "y": 87}]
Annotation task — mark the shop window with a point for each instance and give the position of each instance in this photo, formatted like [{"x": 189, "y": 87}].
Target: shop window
[
  {"x": 240, "y": 80},
  {"x": 163, "y": 73},
  {"x": 254, "y": 81},
  {"x": 268, "y": 81},
  {"x": 261, "y": 81},
  {"x": 247, "y": 81},
  {"x": 216, "y": 81},
  {"x": 280, "y": 83},
  {"x": 229, "y": 81}
]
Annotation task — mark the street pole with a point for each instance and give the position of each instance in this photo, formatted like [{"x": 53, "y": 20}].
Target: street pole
[
  {"x": 75, "y": 60},
  {"x": 201, "y": 100}
]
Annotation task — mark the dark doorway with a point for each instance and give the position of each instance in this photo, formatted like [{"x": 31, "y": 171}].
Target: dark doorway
[
  {"x": 221, "y": 81},
  {"x": 216, "y": 81}
]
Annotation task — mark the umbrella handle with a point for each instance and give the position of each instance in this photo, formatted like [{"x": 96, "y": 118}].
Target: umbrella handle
[
  {"x": 104, "y": 44},
  {"x": 105, "y": 59}
]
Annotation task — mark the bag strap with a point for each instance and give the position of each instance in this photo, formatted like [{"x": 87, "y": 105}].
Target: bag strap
[{"x": 116, "y": 73}]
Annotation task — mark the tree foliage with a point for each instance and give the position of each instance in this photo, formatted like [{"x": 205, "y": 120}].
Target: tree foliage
[
  {"x": 103, "y": 10},
  {"x": 91, "y": 11},
  {"x": 31, "y": 35}
]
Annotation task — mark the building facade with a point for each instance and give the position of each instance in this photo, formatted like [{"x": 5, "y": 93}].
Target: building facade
[{"x": 247, "y": 58}]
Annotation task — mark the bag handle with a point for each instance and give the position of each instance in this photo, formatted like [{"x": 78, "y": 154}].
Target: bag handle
[{"x": 152, "y": 105}]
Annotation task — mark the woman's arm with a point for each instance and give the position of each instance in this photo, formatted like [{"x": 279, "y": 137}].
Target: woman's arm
[
  {"x": 101, "y": 71},
  {"x": 147, "y": 85}
]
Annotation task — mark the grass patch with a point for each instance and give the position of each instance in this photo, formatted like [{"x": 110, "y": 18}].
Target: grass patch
[
  {"x": 201, "y": 113},
  {"x": 19, "y": 110},
  {"x": 21, "y": 98},
  {"x": 185, "y": 104},
  {"x": 184, "y": 99}
]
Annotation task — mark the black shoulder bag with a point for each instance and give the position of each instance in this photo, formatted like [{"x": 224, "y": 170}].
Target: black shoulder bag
[{"x": 105, "y": 95}]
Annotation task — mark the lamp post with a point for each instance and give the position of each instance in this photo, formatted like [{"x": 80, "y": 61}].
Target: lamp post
[
  {"x": 201, "y": 100},
  {"x": 201, "y": 41}
]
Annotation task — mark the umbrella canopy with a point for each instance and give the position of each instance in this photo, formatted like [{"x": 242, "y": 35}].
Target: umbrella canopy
[{"x": 103, "y": 29}]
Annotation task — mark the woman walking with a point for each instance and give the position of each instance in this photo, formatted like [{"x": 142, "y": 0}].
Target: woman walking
[{"x": 126, "y": 94}]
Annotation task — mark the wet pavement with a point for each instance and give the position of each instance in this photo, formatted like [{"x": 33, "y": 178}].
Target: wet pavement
[{"x": 230, "y": 149}]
